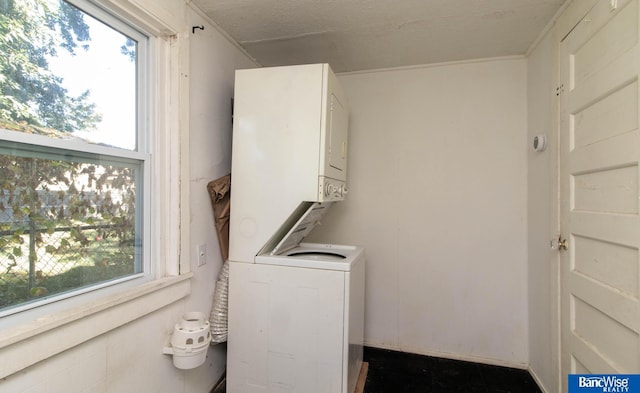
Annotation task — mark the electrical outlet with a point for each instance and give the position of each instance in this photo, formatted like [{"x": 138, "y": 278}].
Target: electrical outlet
[{"x": 202, "y": 254}]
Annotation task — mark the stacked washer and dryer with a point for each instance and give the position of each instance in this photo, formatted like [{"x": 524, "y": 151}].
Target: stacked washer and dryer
[{"x": 296, "y": 310}]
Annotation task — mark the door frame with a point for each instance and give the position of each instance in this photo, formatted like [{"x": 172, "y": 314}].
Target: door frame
[{"x": 566, "y": 21}]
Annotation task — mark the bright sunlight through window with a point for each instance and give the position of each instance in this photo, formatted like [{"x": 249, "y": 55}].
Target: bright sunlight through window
[{"x": 71, "y": 211}]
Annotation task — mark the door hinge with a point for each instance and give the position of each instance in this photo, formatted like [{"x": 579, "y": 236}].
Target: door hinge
[{"x": 559, "y": 90}]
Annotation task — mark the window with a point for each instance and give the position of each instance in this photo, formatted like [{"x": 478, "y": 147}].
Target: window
[{"x": 75, "y": 161}]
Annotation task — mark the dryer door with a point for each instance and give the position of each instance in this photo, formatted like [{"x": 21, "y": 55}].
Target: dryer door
[{"x": 338, "y": 126}]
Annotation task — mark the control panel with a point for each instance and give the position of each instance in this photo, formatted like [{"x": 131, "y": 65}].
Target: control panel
[{"x": 331, "y": 189}]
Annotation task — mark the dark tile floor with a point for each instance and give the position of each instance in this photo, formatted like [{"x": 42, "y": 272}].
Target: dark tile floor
[{"x": 399, "y": 372}]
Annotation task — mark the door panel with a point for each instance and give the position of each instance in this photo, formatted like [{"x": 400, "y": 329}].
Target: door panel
[
  {"x": 600, "y": 191},
  {"x": 605, "y": 45},
  {"x": 612, "y": 116},
  {"x": 611, "y": 264}
]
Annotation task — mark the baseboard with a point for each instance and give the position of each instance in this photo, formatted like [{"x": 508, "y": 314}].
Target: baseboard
[
  {"x": 453, "y": 356},
  {"x": 221, "y": 385},
  {"x": 362, "y": 378},
  {"x": 537, "y": 380},
  {"x": 465, "y": 358}
]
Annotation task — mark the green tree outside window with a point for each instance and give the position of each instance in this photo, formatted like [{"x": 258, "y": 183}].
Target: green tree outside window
[{"x": 68, "y": 219}]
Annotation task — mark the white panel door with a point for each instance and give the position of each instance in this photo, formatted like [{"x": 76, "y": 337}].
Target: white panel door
[{"x": 600, "y": 149}]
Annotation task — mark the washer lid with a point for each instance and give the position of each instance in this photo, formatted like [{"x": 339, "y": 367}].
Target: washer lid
[
  {"x": 297, "y": 227},
  {"x": 316, "y": 255}
]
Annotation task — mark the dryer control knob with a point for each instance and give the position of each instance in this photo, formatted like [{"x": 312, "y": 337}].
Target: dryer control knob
[
  {"x": 331, "y": 189},
  {"x": 343, "y": 190}
]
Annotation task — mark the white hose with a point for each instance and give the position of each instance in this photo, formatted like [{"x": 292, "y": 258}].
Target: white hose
[{"x": 219, "y": 311}]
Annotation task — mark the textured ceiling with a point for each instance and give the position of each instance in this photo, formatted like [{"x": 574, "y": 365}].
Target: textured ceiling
[{"x": 355, "y": 35}]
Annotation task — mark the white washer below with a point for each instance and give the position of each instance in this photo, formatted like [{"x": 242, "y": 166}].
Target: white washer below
[
  {"x": 316, "y": 256},
  {"x": 296, "y": 321}
]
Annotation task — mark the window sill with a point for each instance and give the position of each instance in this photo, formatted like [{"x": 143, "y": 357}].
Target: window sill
[{"x": 42, "y": 338}]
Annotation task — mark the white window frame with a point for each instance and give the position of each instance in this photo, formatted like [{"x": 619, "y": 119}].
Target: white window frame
[{"x": 65, "y": 324}]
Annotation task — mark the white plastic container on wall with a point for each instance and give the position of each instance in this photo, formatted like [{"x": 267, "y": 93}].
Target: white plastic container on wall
[
  {"x": 539, "y": 143},
  {"x": 190, "y": 340}
]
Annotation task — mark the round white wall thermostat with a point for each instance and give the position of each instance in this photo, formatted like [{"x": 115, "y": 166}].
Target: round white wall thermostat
[{"x": 539, "y": 142}]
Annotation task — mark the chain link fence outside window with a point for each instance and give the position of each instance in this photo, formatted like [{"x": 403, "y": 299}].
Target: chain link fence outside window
[{"x": 39, "y": 261}]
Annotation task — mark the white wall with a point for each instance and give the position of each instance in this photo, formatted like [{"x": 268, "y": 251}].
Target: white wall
[
  {"x": 213, "y": 64},
  {"x": 438, "y": 177},
  {"x": 542, "y": 214},
  {"x": 130, "y": 359}
]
